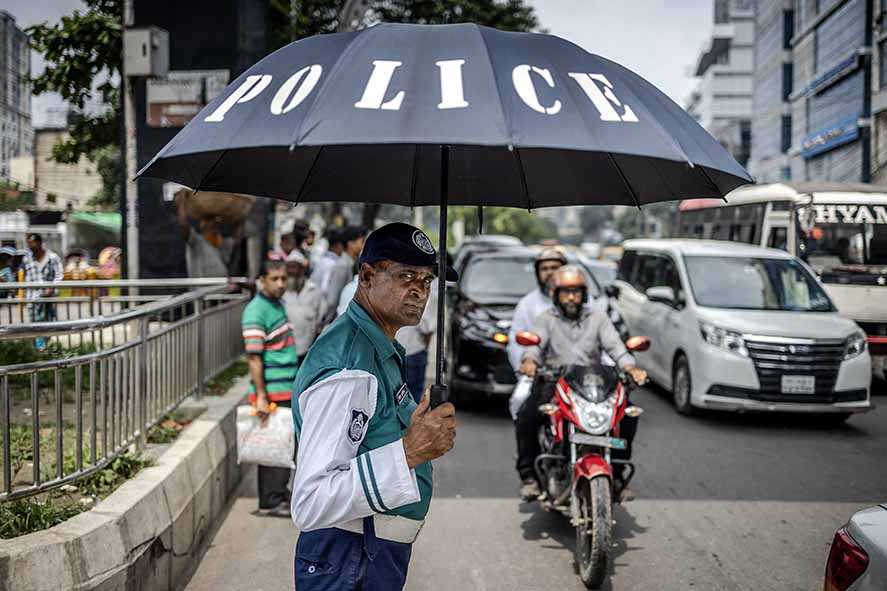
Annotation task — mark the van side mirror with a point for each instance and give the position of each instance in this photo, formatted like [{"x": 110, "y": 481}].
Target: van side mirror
[
  {"x": 612, "y": 291},
  {"x": 661, "y": 295}
]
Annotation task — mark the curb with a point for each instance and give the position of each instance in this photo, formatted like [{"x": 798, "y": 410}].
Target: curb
[{"x": 148, "y": 533}]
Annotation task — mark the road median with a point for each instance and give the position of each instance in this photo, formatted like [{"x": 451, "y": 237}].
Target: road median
[{"x": 149, "y": 533}]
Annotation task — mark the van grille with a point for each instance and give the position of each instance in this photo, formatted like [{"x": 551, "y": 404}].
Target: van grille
[{"x": 775, "y": 359}]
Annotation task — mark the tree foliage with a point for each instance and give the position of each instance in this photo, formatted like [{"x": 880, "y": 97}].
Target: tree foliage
[
  {"x": 296, "y": 19},
  {"x": 510, "y": 15},
  {"x": 80, "y": 49},
  {"x": 527, "y": 226}
]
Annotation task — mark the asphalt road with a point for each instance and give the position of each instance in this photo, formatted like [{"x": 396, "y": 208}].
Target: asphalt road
[{"x": 723, "y": 502}]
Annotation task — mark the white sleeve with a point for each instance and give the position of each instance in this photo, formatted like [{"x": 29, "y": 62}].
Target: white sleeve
[
  {"x": 333, "y": 484},
  {"x": 519, "y": 322}
]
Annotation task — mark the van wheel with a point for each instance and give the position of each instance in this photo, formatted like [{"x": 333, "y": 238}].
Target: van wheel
[{"x": 681, "y": 386}]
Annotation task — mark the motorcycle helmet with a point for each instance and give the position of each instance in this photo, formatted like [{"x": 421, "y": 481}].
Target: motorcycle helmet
[
  {"x": 569, "y": 277},
  {"x": 548, "y": 254}
]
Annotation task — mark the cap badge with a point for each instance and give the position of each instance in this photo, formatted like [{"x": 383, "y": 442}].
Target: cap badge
[{"x": 423, "y": 242}]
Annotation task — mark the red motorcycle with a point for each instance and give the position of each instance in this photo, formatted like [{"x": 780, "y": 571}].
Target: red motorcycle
[{"x": 575, "y": 468}]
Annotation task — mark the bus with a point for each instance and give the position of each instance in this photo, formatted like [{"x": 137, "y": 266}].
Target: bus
[{"x": 838, "y": 229}]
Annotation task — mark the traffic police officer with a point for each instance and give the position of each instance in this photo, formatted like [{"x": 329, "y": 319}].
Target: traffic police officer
[{"x": 363, "y": 483}]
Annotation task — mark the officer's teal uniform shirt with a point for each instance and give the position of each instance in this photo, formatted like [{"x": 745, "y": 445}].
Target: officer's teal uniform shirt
[{"x": 355, "y": 342}]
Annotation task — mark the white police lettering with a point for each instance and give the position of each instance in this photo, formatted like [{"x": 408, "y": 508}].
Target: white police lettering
[
  {"x": 302, "y": 91},
  {"x": 377, "y": 87},
  {"x": 452, "y": 95},
  {"x": 523, "y": 85},
  {"x": 299, "y": 85},
  {"x": 423, "y": 242},
  {"x": 603, "y": 100},
  {"x": 250, "y": 89}
]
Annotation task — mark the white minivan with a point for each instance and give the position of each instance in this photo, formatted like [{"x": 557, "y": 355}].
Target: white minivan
[{"x": 740, "y": 327}]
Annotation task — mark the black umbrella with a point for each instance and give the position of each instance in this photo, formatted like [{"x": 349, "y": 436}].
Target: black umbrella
[{"x": 446, "y": 114}]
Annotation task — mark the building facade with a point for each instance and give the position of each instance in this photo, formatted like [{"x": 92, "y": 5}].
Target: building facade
[
  {"x": 831, "y": 91},
  {"x": 879, "y": 94},
  {"x": 16, "y": 134},
  {"x": 722, "y": 101},
  {"x": 62, "y": 186},
  {"x": 771, "y": 128}
]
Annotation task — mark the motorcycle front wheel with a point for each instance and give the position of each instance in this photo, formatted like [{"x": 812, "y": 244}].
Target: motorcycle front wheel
[{"x": 594, "y": 531}]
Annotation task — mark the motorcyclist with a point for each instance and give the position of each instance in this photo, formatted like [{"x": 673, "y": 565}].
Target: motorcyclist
[
  {"x": 570, "y": 334},
  {"x": 534, "y": 303}
]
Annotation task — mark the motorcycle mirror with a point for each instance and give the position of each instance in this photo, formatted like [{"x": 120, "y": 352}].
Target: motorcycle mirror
[
  {"x": 527, "y": 339},
  {"x": 638, "y": 343}
]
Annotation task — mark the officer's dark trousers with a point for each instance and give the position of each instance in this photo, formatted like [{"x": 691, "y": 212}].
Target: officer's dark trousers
[
  {"x": 338, "y": 560},
  {"x": 273, "y": 481}
]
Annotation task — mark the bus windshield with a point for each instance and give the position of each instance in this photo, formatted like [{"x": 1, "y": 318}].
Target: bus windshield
[{"x": 827, "y": 246}]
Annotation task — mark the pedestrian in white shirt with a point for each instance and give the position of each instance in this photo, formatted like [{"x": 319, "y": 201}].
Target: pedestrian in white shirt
[
  {"x": 534, "y": 303},
  {"x": 304, "y": 302},
  {"x": 321, "y": 267}
]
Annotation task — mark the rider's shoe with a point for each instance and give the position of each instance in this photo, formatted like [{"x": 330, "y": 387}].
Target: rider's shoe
[
  {"x": 626, "y": 495},
  {"x": 529, "y": 490}
]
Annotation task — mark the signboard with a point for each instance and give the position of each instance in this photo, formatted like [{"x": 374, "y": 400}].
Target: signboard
[
  {"x": 822, "y": 213},
  {"x": 173, "y": 101},
  {"x": 830, "y": 138}
]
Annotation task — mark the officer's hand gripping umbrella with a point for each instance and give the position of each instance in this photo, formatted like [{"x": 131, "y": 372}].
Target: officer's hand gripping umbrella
[{"x": 446, "y": 114}]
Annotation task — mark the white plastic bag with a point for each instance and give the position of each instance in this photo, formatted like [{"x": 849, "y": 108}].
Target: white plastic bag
[
  {"x": 519, "y": 395},
  {"x": 272, "y": 445}
]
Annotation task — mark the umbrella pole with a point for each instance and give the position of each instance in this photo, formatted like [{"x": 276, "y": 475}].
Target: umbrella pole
[{"x": 439, "y": 393}]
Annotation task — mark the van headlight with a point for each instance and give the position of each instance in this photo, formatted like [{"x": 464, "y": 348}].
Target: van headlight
[
  {"x": 855, "y": 345},
  {"x": 723, "y": 339}
]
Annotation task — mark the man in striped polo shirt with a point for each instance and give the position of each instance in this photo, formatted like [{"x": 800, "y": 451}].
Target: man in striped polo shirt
[{"x": 271, "y": 352}]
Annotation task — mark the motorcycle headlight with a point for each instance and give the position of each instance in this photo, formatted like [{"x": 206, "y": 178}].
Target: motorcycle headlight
[
  {"x": 723, "y": 339},
  {"x": 594, "y": 417},
  {"x": 855, "y": 345}
]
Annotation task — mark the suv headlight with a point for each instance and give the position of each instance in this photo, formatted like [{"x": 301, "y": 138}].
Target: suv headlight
[
  {"x": 723, "y": 339},
  {"x": 855, "y": 345},
  {"x": 594, "y": 417}
]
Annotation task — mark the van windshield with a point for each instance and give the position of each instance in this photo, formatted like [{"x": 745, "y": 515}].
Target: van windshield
[{"x": 755, "y": 284}]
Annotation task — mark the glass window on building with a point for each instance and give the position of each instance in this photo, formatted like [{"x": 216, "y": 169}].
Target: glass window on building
[
  {"x": 788, "y": 73},
  {"x": 786, "y": 133},
  {"x": 882, "y": 62},
  {"x": 839, "y": 37},
  {"x": 788, "y": 28}
]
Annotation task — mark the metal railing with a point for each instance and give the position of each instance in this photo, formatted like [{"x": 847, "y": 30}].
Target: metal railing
[{"x": 79, "y": 407}]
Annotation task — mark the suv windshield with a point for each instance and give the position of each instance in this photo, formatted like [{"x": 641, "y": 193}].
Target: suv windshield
[
  {"x": 494, "y": 277},
  {"x": 755, "y": 284},
  {"x": 507, "y": 278}
]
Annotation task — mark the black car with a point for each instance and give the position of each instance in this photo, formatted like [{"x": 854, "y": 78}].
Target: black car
[{"x": 483, "y": 302}]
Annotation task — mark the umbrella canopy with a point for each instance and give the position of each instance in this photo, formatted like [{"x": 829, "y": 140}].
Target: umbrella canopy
[
  {"x": 531, "y": 120},
  {"x": 438, "y": 114}
]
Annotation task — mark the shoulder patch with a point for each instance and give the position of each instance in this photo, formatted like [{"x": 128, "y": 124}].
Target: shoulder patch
[
  {"x": 401, "y": 394},
  {"x": 357, "y": 425}
]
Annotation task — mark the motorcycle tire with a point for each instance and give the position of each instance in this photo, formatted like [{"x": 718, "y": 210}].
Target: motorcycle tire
[{"x": 595, "y": 530}]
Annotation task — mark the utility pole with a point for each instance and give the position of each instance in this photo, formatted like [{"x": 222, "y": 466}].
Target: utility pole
[
  {"x": 131, "y": 188},
  {"x": 866, "y": 123}
]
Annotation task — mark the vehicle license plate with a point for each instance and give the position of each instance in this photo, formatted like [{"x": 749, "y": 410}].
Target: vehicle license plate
[
  {"x": 585, "y": 439},
  {"x": 798, "y": 384}
]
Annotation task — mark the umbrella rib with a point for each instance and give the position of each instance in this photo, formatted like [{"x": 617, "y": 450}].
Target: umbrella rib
[
  {"x": 210, "y": 171},
  {"x": 624, "y": 179},
  {"x": 711, "y": 182},
  {"x": 523, "y": 178},
  {"x": 308, "y": 176},
  {"x": 414, "y": 176}
]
